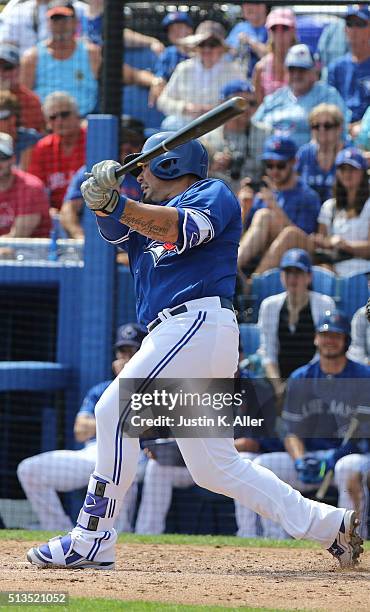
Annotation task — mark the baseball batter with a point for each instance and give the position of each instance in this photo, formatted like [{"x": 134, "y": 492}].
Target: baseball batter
[{"x": 182, "y": 248}]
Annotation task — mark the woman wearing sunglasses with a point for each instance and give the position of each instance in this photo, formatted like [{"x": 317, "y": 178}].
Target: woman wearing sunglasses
[
  {"x": 315, "y": 160},
  {"x": 270, "y": 72},
  {"x": 195, "y": 84},
  {"x": 343, "y": 237}
]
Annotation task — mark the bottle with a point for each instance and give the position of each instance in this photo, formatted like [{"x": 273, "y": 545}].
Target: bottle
[{"x": 53, "y": 246}]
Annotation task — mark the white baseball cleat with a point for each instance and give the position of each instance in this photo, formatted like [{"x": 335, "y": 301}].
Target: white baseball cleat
[
  {"x": 347, "y": 546},
  {"x": 59, "y": 553}
]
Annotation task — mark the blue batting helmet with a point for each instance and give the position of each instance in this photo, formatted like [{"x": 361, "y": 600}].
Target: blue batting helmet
[
  {"x": 188, "y": 158},
  {"x": 334, "y": 321}
]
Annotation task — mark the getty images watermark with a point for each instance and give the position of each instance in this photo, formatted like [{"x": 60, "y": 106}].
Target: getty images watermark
[{"x": 189, "y": 408}]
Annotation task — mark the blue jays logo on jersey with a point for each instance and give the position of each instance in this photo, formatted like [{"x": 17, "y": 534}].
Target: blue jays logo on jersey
[{"x": 159, "y": 250}]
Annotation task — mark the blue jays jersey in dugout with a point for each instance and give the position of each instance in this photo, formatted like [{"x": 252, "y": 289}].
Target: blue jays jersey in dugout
[{"x": 166, "y": 274}]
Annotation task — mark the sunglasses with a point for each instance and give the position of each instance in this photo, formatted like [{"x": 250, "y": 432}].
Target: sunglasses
[
  {"x": 251, "y": 103},
  {"x": 211, "y": 44},
  {"x": 358, "y": 23},
  {"x": 61, "y": 115},
  {"x": 4, "y": 157},
  {"x": 6, "y": 67},
  {"x": 284, "y": 28},
  {"x": 279, "y": 165},
  {"x": 325, "y": 126}
]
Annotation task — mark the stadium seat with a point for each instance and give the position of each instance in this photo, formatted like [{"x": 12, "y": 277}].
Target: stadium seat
[
  {"x": 250, "y": 337},
  {"x": 264, "y": 285},
  {"x": 352, "y": 293},
  {"x": 324, "y": 281},
  {"x": 135, "y": 98}
]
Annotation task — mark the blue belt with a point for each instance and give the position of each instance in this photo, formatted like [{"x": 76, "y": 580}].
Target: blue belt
[{"x": 224, "y": 303}]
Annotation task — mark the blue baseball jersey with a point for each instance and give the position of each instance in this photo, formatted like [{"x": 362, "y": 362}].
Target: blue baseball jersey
[
  {"x": 258, "y": 33},
  {"x": 319, "y": 406},
  {"x": 129, "y": 187},
  {"x": 90, "y": 400},
  {"x": 301, "y": 204},
  {"x": 312, "y": 174},
  {"x": 287, "y": 114},
  {"x": 167, "y": 62},
  {"x": 352, "y": 80},
  {"x": 202, "y": 263}
]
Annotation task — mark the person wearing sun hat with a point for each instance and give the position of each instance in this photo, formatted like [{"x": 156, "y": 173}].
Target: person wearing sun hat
[
  {"x": 355, "y": 65},
  {"x": 195, "y": 84},
  {"x": 270, "y": 73}
]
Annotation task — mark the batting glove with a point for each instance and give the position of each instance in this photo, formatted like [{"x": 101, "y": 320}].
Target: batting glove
[
  {"x": 96, "y": 198},
  {"x": 105, "y": 174},
  {"x": 368, "y": 310},
  {"x": 310, "y": 470}
]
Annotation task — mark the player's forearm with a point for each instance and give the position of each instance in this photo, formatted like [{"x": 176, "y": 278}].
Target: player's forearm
[
  {"x": 156, "y": 222},
  {"x": 294, "y": 446}
]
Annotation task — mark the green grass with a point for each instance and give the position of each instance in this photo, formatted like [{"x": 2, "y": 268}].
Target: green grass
[
  {"x": 100, "y": 605},
  {"x": 168, "y": 538}
]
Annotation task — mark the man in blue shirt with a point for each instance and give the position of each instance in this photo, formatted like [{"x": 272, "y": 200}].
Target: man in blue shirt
[
  {"x": 182, "y": 244},
  {"x": 286, "y": 110},
  {"x": 322, "y": 396},
  {"x": 248, "y": 38},
  {"x": 285, "y": 200},
  {"x": 350, "y": 74},
  {"x": 43, "y": 475}
]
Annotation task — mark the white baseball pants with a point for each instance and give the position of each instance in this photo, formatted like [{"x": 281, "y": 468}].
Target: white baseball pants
[
  {"x": 282, "y": 465},
  {"x": 41, "y": 476},
  {"x": 201, "y": 343}
]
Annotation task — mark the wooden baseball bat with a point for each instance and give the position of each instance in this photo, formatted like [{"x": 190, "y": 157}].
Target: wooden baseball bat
[
  {"x": 200, "y": 126},
  {"x": 322, "y": 490}
]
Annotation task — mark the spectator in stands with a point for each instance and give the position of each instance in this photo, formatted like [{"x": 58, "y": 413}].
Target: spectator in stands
[
  {"x": 287, "y": 109},
  {"x": 24, "y": 206},
  {"x": 314, "y": 420},
  {"x": 332, "y": 44},
  {"x": 31, "y": 115},
  {"x": 248, "y": 38},
  {"x": 24, "y": 139},
  {"x": 283, "y": 201},
  {"x": 343, "y": 238},
  {"x": 287, "y": 320},
  {"x": 316, "y": 159},
  {"x": 270, "y": 72},
  {"x": 57, "y": 156},
  {"x": 350, "y": 74},
  {"x": 45, "y": 475},
  {"x": 363, "y": 138},
  {"x": 177, "y": 25},
  {"x": 195, "y": 84},
  {"x": 66, "y": 63},
  {"x": 26, "y": 23},
  {"x": 360, "y": 335},
  {"x": 236, "y": 147},
  {"x": 132, "y": 139}
]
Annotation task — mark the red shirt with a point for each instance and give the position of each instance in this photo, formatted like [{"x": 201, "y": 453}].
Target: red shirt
[
  {"x": 31, "y": 111},
  {"x": 53, "y": 167},
  {"x": 24, "y": 197}
]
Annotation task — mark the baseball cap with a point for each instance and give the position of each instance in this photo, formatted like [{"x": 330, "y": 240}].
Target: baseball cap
[
  {"x": 60, "y": 8},
  {"x": 281, "y": 16},
  {"x": 279, "y": 148},
  {"x": 9, "y": 53},
  {"x": 177, "y": 17},
  {"x": 235, "y": 86},
  {"x": 361, "y": 11},
  {"x": 351, "y": 157},
  {"x": 130, "y": 334},
  {"x": 6, "y": 144},
  {"x": 296, "y": 258},
  {"x": 299, "y": 56},
  {"x": 205, "y": 31},
  {"x": 334, "y": 321}
]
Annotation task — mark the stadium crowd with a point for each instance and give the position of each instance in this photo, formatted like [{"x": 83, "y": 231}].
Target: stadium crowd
[{"x": 298, "y": 161}]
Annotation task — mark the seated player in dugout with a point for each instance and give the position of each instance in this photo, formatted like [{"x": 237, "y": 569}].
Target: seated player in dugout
[
  {"x": 45, "y": 67},
  {"x": 71, "y": 214},
  {"x": 182, "y": 246}
]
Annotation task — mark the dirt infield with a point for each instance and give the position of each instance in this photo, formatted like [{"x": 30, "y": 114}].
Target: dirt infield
[{"x": 289, "y": 579}]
